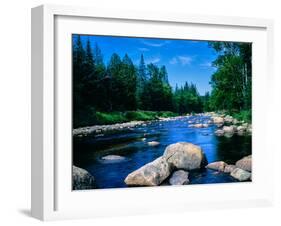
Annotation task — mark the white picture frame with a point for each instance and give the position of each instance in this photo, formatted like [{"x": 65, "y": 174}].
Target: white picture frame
[{"x": 52, "y": 197}]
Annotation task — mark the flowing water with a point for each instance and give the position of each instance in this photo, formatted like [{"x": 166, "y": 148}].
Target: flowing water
[{"x": 133, "y": 145}]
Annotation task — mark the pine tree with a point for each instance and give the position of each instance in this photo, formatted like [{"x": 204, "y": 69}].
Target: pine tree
[
  {"x": 141, "y": 80},
  {"x": 89, "y": 61},
  {"x": 130, "y": 77}
]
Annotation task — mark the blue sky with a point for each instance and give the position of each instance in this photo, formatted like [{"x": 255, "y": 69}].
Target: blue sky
[{"x": 185, "y": 60}]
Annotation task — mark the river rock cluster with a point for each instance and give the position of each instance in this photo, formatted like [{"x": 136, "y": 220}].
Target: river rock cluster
[
  {"x": 172, "y": 167},
  {"x": 240, "y": 171},
  {"x": 100, "y": 129},
  {"x": 175, "y": 163},
  {"x": 228, "y": 126}
]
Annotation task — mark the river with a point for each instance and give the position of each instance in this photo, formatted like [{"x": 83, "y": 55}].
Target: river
[{"x": 133, "y": 144}]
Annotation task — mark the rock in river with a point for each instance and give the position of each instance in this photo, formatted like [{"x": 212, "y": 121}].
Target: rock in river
[
  {"x": 228, "y": 119},
  {"x": 113, "y": 158},
  {"x": 153, "y": 143},
  {"x": 183, "y": 155},
  {"x": 219, "y": 132},
  {"x": 218, "y": 120},
  {"x": 179, "y": 177},
  {"x": 245, "y": 163},
  {"x": 229, "y": 168},
  {"x": 241, "y": 175},
  {"x": 220, "y": 165},
  {"x": 151, "y": 174},
  {"x": 229, "y": 129},
  {"x": 82, "y": 179},
  {"x": 199, "y": 125}
]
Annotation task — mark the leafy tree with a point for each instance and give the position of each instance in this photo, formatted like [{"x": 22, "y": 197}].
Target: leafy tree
[{"x": 232, "y": 80}]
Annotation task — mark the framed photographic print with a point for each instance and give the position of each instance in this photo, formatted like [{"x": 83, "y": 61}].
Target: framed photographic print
[{"x": 136, "y": 112}]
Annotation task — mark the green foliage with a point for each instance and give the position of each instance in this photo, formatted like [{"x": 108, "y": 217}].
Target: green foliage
[
  {"x": 106, "y": 118},
  {"x": 157, "y": 94},
  {"x": 231, "y": 83},
  {"x": 141, "y": 115},
  {"x": 110, "y": 118},
  {"x": 245, "y": 116},
  {"x": 187, "y": 99}
]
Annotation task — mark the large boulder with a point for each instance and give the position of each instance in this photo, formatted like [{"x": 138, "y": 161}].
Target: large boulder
[
  {"x": 186, "y": 156},
  {"x": 151, "y": 174},
  {"x": 245, "y": 163},
  {"x": 82, "y": 179},
  {"x": 219, "y": 166},
  {"x": 241, "y": 175},
  {"x": 179, "y": 177}
]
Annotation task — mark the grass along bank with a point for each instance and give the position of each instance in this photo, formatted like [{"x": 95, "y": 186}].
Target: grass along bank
[{"x": 107, "y": 118}]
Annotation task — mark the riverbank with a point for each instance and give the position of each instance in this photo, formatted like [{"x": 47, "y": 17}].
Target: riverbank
[
  {"x": 226, "y": 124},
  {"x": 101, "y": 129}
]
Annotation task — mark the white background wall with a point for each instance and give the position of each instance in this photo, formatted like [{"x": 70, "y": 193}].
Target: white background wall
[{"x": 15, "y": 111}]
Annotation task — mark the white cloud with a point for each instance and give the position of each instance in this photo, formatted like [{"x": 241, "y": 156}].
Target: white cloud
[
  {"x": 183, "y": 60},
  {"x": 143, "y": 49},
  {"x": 153, "y": 60},
  {"x": 155, "y": 44},
  {"x": 206, "y": 64},
  {"x": 173, "y": 60}
]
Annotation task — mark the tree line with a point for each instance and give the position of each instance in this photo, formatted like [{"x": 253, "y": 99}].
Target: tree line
[{"x": 122, "y": 86}]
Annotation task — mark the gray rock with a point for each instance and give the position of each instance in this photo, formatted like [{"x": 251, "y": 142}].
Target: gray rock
[
  {"x": 82, "y": 179},
  {"x": 179, "y": 177},
  {"x": 241, "y": 130},
  {"x": 229, "y": 168},
  {"x": 183, "y": 155},
  {"x": 151, "y": 174},
  {"x": 153, "y": 143},
  {"x": 240, "y": 174},
  {"x": 199, "y": 125},
  {"x": 219, "y": 132},
  {"x": 228, "y": 119},
  {"x": 235, "y": 121},
  {"x": 218, "y": 120},
  {"x": 219, "y": 166},
  {"x": 245, "y": 163},
  {"x": 113, "y": 158},
  {"x": 229, "y": 129}
]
